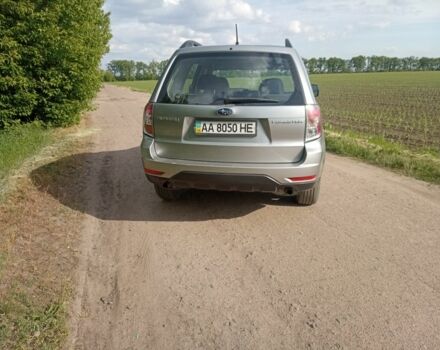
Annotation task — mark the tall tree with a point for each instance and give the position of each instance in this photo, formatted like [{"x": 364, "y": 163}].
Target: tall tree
[
  {"x": 122, "y": 69},
  {"x": 141, "y": 71},
  {"x": 50, "y": 52},
  {"x": 358, "y": 63},
  {"x": 312, "y": 65},
  {"x": 425, "y": 63},
  {"x": 322, "y": 64},
  {"x": 335, "y": 65}
]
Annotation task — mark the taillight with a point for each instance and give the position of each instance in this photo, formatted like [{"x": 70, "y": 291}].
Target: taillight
[
  {"x": 314, "y": 122},
  {"x": 148, "y": 119}
]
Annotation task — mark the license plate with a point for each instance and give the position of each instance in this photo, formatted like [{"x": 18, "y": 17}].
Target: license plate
[{"x": 202, "y": 127}]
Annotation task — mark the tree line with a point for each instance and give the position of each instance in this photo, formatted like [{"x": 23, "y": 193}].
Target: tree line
[
  {"x": 371, "y": 64},
  {"x": 123, "y": 70},
  {"x": 50, "y": 53},
  {"x": 131, "y": 70}
]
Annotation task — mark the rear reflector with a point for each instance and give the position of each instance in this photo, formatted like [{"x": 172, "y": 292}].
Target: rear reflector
[
  {"x": 302, "y": 178},
  {"x": 153, "y": 172}
]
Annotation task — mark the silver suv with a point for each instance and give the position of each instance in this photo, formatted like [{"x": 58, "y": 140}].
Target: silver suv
[{"x": 234, "y": 118}]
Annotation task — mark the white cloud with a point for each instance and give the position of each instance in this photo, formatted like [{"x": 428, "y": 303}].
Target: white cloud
[
  {"x": 309, "y": 32},
  {"x": 380, "y": 24},
  {"x": 232, "y": 11},
  {"x": 116, "y": 47},
  {"x": 155, "y": 28},
  {"x": 167, "y": 3},
  {"x": 242, "y": 9},
  {"x": 295, "y": 27},
  {"x": 147, "y": 29},
  {"x": 152, "y": 40}
]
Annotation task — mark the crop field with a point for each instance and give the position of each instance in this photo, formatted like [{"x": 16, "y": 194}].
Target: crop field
[
  {"x": 398, "y": 106},
  {"x": 403, "y": 106}
]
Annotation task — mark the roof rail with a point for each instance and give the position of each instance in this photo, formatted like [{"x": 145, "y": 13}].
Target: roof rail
[
  {"x": 190, "y": 43},
  {"x": 288, "y": 43}
]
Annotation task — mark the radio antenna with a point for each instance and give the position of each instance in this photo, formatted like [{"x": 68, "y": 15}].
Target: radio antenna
[{"x": 236, "y": 34}]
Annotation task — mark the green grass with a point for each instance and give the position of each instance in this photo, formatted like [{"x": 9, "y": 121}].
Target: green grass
[
  {"x": 2, "y": 262},
  {"x": 387, "y": 119},
  {"x": 398, "y": 106},
  {"x": 422, "y": 164},
  {"x": 32, "y": 304},
  {"x": 26, "y": 325},
  {"x": 20, "y": 142},
  {"x": 140, "y": 85}
]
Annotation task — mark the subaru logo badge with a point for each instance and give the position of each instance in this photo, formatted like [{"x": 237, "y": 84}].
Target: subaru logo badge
[{"x": 224, "y": 111}]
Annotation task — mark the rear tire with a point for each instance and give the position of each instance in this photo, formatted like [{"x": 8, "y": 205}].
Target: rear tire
[
  {"x": 168, "y": 194},
  {"x": 309, "y": 197}
]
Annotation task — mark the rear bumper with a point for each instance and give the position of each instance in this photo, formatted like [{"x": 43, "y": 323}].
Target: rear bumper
[
  {"x": 236, "y": 176},
  {"x": 229, "y": 182}
]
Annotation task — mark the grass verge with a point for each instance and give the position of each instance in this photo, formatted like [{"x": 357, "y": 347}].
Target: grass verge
[
  {"x": 38, "y": 240},
  {"x": 25, "y": 325},
  {"x": 421, "y": 164},
  {"x": 20, "y": 142}
]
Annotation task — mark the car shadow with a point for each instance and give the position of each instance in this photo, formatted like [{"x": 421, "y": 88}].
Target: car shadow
[{"x": 111, "y": 186}]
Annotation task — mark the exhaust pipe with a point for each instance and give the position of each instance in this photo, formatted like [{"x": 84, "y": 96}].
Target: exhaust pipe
[{"x": 288, "y": 190}]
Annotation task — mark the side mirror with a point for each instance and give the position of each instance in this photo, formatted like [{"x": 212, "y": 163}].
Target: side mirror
[{"x": 315, "y": 89}]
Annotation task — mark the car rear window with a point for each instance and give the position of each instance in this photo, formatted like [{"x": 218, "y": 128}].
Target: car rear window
[{"x": 232, "y": 78}]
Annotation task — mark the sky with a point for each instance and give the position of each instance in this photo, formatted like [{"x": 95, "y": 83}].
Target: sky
[{"x": 144, "y": 30}]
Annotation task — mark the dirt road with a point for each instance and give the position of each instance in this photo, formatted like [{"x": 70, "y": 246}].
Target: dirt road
[{"x": 359, "y": 270}]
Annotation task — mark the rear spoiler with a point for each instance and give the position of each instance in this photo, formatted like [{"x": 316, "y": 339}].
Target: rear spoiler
[{"x": 190, "y": 43}]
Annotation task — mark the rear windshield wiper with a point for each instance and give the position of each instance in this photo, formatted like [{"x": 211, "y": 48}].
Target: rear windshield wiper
[{"x": 240, "y": 100}]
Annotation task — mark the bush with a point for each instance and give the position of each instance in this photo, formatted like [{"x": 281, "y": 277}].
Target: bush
[
  {"x": 107, "y": 76},
  {"x": 50, "y": 52}
]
